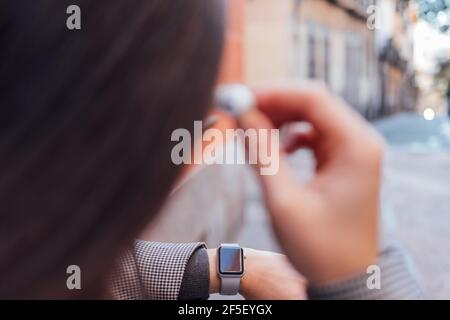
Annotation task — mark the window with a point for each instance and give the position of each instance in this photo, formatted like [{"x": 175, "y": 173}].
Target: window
[{"x": 312, "y": 72}]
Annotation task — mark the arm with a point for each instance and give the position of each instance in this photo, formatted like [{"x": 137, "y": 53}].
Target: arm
[
  {"x": 398, "y": 279},
  {"x": 268, "y": 276},
  {"x": 188, "y": 271}
]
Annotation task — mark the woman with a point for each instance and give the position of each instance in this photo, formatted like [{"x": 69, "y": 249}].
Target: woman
[
  {"x": 85, "y": 167},
  {"x": 83, "y": 158}
]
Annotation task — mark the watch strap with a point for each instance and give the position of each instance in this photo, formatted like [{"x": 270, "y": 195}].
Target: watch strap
[{"x": 229, "y": 286}]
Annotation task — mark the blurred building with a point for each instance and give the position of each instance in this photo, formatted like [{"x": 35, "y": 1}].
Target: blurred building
[
  {"x": 332, "y": 40},
  {"x": 413, "y": 56},
  {"x": 431, "y": 60},
  {"x": 395, "y": 44},
  {"x": 318, "y": 39},
  {"x": 380, "y": 71}
]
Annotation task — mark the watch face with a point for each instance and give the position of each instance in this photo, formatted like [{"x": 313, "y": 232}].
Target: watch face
[{"x": 230, "y": 260}]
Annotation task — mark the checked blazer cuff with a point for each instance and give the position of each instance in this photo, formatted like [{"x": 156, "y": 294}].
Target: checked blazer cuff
[
  {"x": 153, "y": 271},
  {"x": 397, "y": 278}
]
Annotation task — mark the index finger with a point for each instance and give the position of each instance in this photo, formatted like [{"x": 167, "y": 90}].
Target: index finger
[{"x": 329, "y": 115}]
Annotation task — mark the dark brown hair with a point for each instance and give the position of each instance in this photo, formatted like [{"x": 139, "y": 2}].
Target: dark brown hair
[{"x": 85, "y": 123}]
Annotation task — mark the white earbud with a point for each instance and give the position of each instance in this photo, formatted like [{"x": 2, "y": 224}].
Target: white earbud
[{"x": 235, "y": 99}]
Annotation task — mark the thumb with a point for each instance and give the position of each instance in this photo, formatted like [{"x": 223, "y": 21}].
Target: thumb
[{"x": 277, "y": 178}]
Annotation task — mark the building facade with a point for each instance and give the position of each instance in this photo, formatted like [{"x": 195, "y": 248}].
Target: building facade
[
  {"x": 395, "y": 42},
  {"x": 314, "y": 39},
  {"x": 335, "y": 41}
]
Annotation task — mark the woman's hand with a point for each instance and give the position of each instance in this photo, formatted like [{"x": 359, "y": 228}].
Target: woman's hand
[
  {"x": 268, "y": 276},
  {"x": 328, "y": 226}
]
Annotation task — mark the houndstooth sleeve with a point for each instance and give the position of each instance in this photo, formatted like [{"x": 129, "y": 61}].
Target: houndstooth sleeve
[{"x": 153, "y": 271}]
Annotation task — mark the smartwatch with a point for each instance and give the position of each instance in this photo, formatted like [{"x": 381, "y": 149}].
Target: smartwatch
[{"x": 230, "y": 268}]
